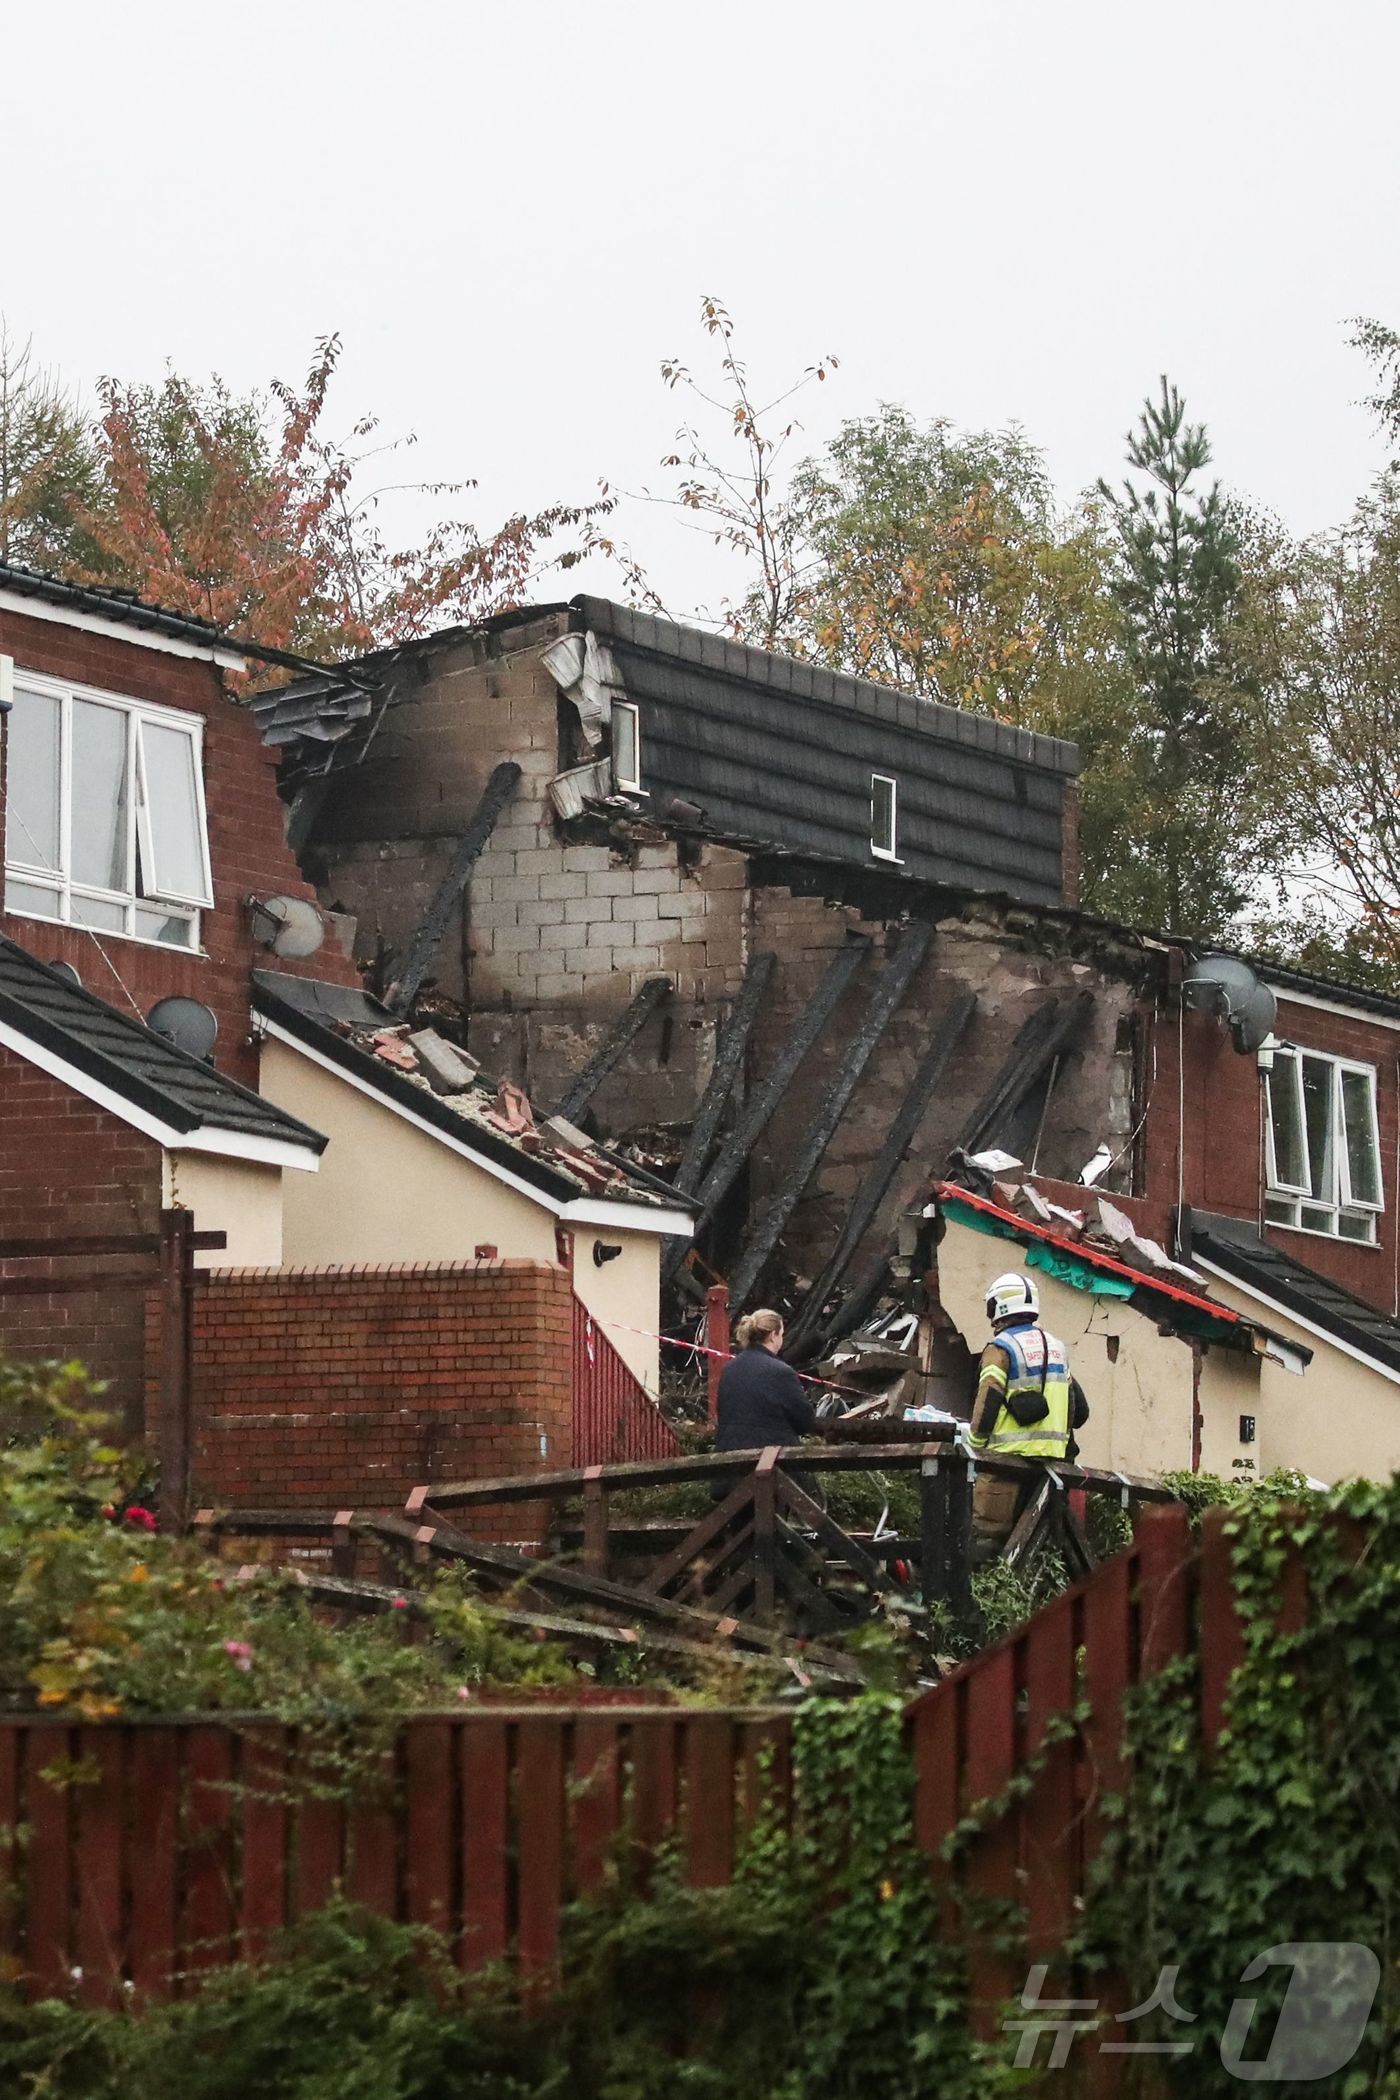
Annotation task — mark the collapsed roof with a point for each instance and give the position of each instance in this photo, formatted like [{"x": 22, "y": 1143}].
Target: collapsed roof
[{"x": 439, "y": 1085}]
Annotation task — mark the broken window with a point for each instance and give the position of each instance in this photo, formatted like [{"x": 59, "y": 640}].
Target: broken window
[
  {"x": 104, "y": 815},
  {"x": 884, "y": 817},
  {"x": 1322, "y": 1145},
  {"x": 626, "y": 745}
]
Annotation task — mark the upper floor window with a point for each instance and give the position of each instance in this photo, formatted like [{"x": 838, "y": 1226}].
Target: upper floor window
[
  {"x": 1323, "y": 1145},
  {"x": 104, "y": 813},
  {"x": 884, "y": 816},
  {"x": 627, "y": 745}
]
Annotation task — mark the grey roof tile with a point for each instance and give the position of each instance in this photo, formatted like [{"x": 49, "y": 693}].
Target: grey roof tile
[{"x": 139, "y": 1066}]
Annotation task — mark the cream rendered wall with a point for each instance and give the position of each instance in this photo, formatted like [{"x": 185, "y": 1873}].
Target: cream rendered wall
[
  {"x": 385, "y": 1191},
  {"x": 389, "y": 1193},
  {"x": 1140, "y": 1405},
  {"x": 624, "y": 1294},
  {"x": 1339, "y": 1421},
  {"x": 235, "y": 1196}
]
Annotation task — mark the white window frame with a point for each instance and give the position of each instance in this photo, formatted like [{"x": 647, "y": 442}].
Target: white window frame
[
  {"x": 891, "y": 851},
  {"x": 1296, "y": 1207},
  {"x": 630, "y": 781},
  {"x": 59, "y": 883}
]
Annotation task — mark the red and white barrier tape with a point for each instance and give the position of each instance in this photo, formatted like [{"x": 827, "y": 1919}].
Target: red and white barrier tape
[{"x": 672, "y": 1341}]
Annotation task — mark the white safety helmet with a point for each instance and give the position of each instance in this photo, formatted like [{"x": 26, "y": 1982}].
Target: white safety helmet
[{"x": 1012, "y": 1296}]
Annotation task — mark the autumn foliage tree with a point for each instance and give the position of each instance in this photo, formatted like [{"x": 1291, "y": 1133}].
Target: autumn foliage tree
[{"x": 246, "y": 510}]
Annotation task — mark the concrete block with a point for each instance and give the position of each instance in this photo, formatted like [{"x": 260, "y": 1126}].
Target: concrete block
[
  {"x": 587, "y": 860},
  {"x": 610, "y": 882},
  {"x": 548, "y": 913},
  {"x": 654, "y": 857},
  {"x": 637, "y": 958},
  {"x": 539, "y": 860},
  {"x": 448, "y": 1069},
  {"x": 582, "y": 910},
  {"x": 553, "y": 962},
  {"x": 603, "y": 934},
  {"x": 563, "y": 885},
  {"x": 636, "y": 910},
  {"x": 514, "y": 940},
  {"x": 655, "y": 882},
  {"x": 518, "y": 889},
  {"x": 685, "y": 904},
  {"x": 490, "y": 915}
]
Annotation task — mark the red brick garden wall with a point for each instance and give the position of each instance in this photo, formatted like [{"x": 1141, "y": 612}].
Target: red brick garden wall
[{"x": 344, "y": 1388}]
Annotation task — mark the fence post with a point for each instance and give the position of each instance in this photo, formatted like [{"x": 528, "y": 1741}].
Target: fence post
[
  {"x": 945, "y": 1534},
  {"x": 717, "y": 1339},
  {"x": 176, "y": 1352}
]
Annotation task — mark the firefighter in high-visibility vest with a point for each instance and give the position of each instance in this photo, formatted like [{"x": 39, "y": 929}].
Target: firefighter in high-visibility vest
[{"x": 1028, "y": 1405}]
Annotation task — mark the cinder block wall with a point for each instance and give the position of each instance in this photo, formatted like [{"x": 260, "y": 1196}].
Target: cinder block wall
[
  {"x": 345, "y": 1388},
  {"x": 67, "y": 1166},
  {"x": 557, "y": 937}
]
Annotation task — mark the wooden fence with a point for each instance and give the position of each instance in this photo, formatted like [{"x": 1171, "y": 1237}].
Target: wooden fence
[
  {"x": 143, "y": 1854},
  {"x": 615, "y": 1416},
  {"x": 183, "y": 1845}
]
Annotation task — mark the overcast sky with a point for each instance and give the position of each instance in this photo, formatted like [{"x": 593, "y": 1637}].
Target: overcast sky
[{"x": 992, "y": 212}]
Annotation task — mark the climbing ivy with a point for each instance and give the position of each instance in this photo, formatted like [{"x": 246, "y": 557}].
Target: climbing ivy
[{"x": 1287, "y": 1831}]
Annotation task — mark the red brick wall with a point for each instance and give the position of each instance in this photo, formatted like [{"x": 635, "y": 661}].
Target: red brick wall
[
  {"x": 345, "y": 1388},
  {"x": 1223, "y": 1120},
  {"x": 246, "y": 840},
  {"x": 66, "y": 1167}
]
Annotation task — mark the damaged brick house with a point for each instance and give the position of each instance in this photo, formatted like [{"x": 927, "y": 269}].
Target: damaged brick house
[
  {"x": 793, "y": 938},
  {"x": 183, "y": 1031}
]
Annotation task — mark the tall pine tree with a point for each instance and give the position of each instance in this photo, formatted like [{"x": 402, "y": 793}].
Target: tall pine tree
[{"x": 1187, "y": 848}]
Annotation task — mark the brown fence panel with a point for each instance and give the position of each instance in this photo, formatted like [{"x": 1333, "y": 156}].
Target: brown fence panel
[{"x": 147, "y": 1852}]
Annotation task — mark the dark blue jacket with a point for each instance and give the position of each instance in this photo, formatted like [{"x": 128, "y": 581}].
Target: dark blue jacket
[{"x": 761, "y": 1401}]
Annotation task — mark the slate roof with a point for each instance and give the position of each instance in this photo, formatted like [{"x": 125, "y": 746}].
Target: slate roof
[
  {"x": 123, "y": 1054},
  {"x": 340, "y": 1026},
  {"x": 1243, "y": 1253},
  {"x": 773, "y": 749}
]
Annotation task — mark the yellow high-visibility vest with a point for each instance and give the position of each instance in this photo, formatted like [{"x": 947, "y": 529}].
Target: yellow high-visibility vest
[{"x": 1039, "y": 1365}]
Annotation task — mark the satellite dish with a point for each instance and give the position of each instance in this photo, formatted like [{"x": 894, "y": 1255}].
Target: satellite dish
[
  {"x": 289, "y": 926},
  {"x": 66, "y": 971},
  {"x": 1226, "y": 987},
  {"x": 186, "y": 1023}
]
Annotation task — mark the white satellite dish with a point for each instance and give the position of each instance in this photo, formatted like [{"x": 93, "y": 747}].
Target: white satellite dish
[
  {"x": 187, "y": 1023},
  {"x": 289, "y": 926}
]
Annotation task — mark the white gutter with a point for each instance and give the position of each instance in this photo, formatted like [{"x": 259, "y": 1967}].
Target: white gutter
[
  {"x": 1286, "y": 1312},
  {"x": 223, "y": 1144},
  {"x": 227, "y": 657}
]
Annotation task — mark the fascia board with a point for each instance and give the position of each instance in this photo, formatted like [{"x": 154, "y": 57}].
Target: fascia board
[
  {"x": 629, "y": 1217},
  {"x": 1286, "y": 1312},
  {"x": 226, "y": 1144},
  {"x": 229, "y": 659}
]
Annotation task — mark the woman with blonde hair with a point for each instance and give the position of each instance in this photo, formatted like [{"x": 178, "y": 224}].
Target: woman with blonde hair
[{"x": 761, "y": 1400}]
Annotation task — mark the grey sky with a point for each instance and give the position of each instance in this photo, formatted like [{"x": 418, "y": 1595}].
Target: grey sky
[{"x": 1012, "y": 211}]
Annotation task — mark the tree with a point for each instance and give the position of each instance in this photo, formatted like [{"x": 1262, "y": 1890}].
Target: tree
[
  {"x": 244, "y": 511},
  {"x": 48, "y": 462},
  {"x": 1320, "y": 628},
  {"x": 1193, "y": 817},
  {"x": 735, "y": 498},
  {"x": 940, "y": 565}
]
